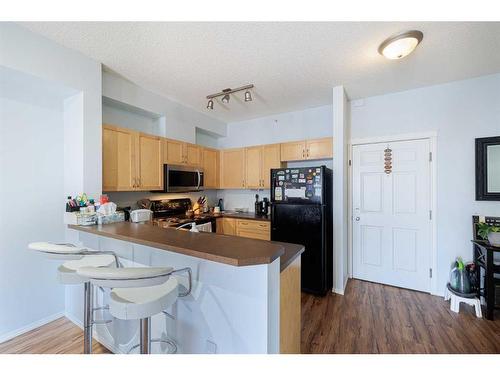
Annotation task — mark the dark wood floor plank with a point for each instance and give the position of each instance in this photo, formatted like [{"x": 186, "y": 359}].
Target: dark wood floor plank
[
  {"x": 375, "y": 318},
  {"x": 369, "y": 318}
]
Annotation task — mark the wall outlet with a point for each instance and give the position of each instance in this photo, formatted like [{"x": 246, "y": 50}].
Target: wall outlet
[{"x": 211, "y": 347}]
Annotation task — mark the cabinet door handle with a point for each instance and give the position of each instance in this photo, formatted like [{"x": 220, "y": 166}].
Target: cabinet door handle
[
  {"x": 303, "y": 153},
  {"x": 307, "y": 152},
  {"x": 243, "y": 183}
]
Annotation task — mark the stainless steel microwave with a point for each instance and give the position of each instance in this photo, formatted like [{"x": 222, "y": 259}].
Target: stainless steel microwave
[{"x": 181, "y": 178}]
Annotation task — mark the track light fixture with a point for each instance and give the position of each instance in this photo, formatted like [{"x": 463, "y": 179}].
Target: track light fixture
[{"x": 226, "y": 95}]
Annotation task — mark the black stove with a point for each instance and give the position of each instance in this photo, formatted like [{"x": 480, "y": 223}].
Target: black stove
[{"x": 171, "y": 213}]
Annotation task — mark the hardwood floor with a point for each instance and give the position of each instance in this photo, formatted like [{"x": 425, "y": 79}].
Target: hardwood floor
[
  {"x": 369, "y": 318},
  {"x": 375, "y": 318},
  {"x": 58, "y": 337}
]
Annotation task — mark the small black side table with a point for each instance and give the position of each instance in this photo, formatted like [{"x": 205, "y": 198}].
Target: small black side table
[{"x": 483, "y": 257}]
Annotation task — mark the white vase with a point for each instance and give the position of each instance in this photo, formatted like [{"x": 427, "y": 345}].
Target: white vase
[{"x": 494, "y": 238}]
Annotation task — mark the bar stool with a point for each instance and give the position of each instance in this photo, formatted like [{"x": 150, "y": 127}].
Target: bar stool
[
  {"x": 67, "y": 273},
  {"x": 140, "y": 293}
]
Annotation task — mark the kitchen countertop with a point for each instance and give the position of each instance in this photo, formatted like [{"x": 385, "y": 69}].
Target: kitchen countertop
[
  {"x": 233, "y": 250},
  {"x": 243, "y": 215}
]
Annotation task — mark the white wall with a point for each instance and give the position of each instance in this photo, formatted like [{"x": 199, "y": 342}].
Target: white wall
[
  {"x": 460, "y": 112},
  {"x": 40, "y": 166},
  {"x": 130, "y": 119},
  {"x": 282, "y": 127},
  {"x": 32, "y": 185},
  {"x": 340, "y": 189},
  {"x": 179, "y": 121},
  {"x": 33, "y": 54}
]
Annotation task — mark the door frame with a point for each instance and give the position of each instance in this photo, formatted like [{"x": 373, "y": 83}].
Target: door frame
[{"x": 432, "y": 137}]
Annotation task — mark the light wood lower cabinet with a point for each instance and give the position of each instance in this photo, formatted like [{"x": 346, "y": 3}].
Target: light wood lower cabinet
[
  {"x": 130, "y": 160},
  {"x": 248, "y": 228},
  {"x": 290, "y": 308},
  {"x": 225, "y": 225},
  {"x": 232, "y": 168},
  {"x": 257, "y": 229}
]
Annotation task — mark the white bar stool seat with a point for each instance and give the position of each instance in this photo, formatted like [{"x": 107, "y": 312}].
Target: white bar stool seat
[
  {"x": 67, "y": 271},
  {"x": 76, "y": 257},
  {"x": 139, "y": 293},
  {"x": 139, "y": 303}
]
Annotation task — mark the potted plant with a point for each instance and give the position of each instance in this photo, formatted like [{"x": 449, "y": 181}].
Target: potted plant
[{"x": 490, "y": 233}]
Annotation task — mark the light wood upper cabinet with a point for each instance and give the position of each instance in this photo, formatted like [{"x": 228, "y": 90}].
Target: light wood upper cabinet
[
  {"x": 311, "y": 149},
  {"x": 259, "y": 162},
  {"x": 118, "y": 159},
  {"x": 321, "y": 148},
  {"x": 134, "y": 160},
  {"x": 192, "y": 154},
  {"x": 232, "y": 168},
  {"x": 149, "y": 162},
  {"x": 130, "y": 160},
  {"x": 211, "y": 168},
  {"x": 271, "y": 158},
  {"x": 292, "y": 151},
  {"x": 253, "y": 166},
  {"x": 173, "y": 151},
  {"x": 177, "y": 152}
]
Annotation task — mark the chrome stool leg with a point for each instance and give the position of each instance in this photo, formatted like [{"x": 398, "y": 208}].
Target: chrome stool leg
[
  {"x": 145, "y": 333},
  {"x": 87, "y": 318}
]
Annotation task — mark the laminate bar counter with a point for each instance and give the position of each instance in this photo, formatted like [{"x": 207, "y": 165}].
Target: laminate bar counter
[
  {"x": 232, "y": 250},
  {"x": 245, "y": 295}
]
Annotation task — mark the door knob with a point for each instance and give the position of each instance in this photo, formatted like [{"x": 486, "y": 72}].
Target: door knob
[{"x": 357, "y": 218}]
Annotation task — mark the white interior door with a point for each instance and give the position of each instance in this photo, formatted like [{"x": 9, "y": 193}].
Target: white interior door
[{"x": 391, "y": 213}]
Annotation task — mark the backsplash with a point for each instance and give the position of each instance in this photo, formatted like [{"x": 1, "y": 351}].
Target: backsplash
[
  {"x": 232, "y": 198},
  {"x": 130, "y": 198},
  {"x": 241, "y": 198}
]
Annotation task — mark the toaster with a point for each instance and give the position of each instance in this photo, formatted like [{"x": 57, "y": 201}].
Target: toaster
[{"x": 141, "y": 215}]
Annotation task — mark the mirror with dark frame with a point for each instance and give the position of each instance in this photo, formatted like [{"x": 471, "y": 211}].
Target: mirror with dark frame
[{"x": 488, "y": 169}]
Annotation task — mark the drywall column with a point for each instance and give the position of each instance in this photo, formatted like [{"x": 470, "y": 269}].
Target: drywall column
[{"x": 340, "y": 189}]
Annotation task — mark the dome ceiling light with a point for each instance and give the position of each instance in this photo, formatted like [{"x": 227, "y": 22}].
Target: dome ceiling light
[
  {"x": 401, "y": 45},
  {"x": 226, "y": 95}
]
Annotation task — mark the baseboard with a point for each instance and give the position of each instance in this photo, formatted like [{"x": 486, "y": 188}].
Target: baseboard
[
  {"x": 341, "y": 291},
  {"x": 95, "y": 335},
  {"x": 10, "y": 335}
]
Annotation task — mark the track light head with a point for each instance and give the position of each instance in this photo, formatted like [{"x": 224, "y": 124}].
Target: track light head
[
  {"x": 248, "y": 96},
  {"x": 210, "y": 104},
  {"x": 225, "y": 98}
]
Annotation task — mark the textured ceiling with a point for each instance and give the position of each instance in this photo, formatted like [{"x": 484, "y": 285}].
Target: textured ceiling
[{"x": 293, "y": 65}]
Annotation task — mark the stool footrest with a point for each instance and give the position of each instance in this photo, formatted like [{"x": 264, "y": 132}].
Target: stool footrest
[
  {"x": 101, "y": 321},
  {"x": 172, "y": 346}
]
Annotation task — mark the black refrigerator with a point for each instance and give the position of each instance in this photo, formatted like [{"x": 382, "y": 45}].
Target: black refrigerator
[{"x": 301, "y": 213}]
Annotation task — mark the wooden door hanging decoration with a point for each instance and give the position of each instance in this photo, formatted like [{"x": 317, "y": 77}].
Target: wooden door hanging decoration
[{"x": 387, "y": 160}]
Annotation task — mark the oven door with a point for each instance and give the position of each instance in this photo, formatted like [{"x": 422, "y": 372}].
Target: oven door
[{"x": 180, "y": 178}]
